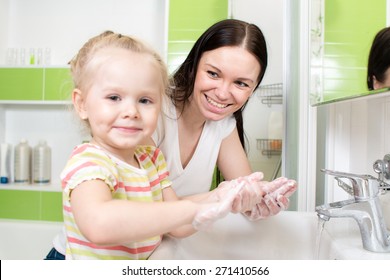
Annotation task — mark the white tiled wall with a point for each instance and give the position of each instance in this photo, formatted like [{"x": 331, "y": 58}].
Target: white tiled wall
[{"x": 358, "y": 133}]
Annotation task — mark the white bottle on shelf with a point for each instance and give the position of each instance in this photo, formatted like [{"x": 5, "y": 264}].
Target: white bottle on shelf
[
  {"x": 22, "y": 162},
  {"x": 5, "y": 163},
  {"x": 41, "y": 163}
]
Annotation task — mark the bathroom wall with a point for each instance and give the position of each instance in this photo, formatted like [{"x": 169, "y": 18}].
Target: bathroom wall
[
  {"x": 357, "y": 133},
  {"x": 65, "y": 25}
]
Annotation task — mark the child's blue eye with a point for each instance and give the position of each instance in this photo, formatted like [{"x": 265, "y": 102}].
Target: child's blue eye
[
  {"x": 145, "y": 101},
  {"x": 114, "y": 98}
]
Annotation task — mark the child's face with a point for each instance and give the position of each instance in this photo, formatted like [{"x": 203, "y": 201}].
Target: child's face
[{"x": 124, "y": 100}]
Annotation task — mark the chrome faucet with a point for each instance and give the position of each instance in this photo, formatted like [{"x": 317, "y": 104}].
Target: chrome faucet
[{"x": 364, "y": 207}]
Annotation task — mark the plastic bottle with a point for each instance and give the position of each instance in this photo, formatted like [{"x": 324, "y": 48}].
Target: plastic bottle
[
  {"x": 22, "y": 161},
  {"x": 5, "y": 163},
  {"x": 41, "y": 163}
]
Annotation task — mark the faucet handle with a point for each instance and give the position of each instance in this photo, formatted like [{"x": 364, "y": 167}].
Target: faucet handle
[
  {"x": 341, "y": 174},
  {"x": 347, "y": 188},
  {"x": 362, "y": 186},
  {"x": 382, "y": 168}
]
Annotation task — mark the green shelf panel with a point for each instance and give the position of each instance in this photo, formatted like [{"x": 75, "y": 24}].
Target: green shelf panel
[
  {"x": 58, "y": 84},
  {"x": 31, "y": 205},
  {"x": 21, "y": 83}
]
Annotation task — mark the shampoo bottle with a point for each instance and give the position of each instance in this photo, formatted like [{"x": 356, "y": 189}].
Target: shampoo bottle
[
  {"x": 42, "y": 163},
  {"x": 5, "y": 154},
  {"x": 22, "y": 161}
]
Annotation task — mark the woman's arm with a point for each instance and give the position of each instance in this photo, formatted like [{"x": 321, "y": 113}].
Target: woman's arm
[
  {"x": 232, "y": 160},
  {"x": 233, "y": 163}
]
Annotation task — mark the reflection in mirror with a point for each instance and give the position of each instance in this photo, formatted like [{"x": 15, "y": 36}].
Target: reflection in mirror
[
  {"x": 341, "y": 38},
  {"x": 378, "y": 67}
]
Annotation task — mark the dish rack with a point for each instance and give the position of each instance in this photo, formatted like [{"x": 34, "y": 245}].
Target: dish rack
[
  {"x": 271, "y": 94},
  {"x": 270, "y": 147}
]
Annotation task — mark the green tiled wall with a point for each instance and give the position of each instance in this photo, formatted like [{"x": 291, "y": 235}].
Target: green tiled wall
[
  {"x": 31, "y": 205},
  {"x": 348, "y": 36},
  {"x": 188, "y": 19}
]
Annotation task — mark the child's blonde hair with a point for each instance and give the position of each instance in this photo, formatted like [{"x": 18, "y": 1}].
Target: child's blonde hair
[{"x": 84, "y": 62}]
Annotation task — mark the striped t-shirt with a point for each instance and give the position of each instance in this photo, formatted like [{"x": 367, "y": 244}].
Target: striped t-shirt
[{"x": 90, "y": 162}]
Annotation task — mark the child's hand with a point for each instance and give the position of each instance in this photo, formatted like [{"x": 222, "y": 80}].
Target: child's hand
[
  {"x": 248, "y": 195},
  {"x": 209, "y": 213}
]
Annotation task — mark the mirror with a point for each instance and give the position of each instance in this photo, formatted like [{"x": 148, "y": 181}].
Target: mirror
[{"x": 341, "y": 39}]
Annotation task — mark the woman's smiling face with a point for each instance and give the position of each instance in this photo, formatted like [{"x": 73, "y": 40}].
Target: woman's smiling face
[{"x": 225, "y": 79}]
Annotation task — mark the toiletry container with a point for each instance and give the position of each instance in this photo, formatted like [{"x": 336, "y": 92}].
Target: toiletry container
[
  {"x": 5, "y": 164},
  {"x": 22, "y": 162},
  {"x": 41, "y": 163}
]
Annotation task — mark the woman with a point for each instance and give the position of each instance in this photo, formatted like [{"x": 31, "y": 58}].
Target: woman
[{"x": 203, "y": 126}]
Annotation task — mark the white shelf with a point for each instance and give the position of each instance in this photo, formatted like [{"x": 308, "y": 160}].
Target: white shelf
[
  {"x": 35, "y": 121},
  {"x": 52, "y": 187}
]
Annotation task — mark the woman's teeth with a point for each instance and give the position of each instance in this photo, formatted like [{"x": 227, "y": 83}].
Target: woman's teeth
[{"x": 216, "y": 104}]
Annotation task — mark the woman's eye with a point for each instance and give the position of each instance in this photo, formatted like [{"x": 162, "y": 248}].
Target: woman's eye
[
  {"x": 242, "y": 84},
  {"x": 212, "y": 74}
]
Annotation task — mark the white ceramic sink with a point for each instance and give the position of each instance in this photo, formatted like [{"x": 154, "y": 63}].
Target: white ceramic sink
[{"x": 288, "y": 235}]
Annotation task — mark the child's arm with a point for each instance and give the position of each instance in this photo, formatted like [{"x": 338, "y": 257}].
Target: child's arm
[
  {"x": 184, "y": 230},
  {"x": 104, "y": 220}
]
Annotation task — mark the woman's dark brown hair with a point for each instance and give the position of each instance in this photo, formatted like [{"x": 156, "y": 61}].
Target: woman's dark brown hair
[{"x": 379, "y": 58}]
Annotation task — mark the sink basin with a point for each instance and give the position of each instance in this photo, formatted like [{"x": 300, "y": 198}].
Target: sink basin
[{"x": 288, "y": 235}]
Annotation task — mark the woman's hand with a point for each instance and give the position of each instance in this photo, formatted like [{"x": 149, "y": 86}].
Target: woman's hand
[
  {"x": 275, "y": 200},
  {"x": 258, "y": 199}
]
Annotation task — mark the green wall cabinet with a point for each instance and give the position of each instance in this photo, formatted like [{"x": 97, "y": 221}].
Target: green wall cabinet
[{"x": 35, "y": 84}]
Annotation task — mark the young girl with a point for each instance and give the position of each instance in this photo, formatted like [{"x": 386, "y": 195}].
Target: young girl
[{"x": 113, "y": 188}]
